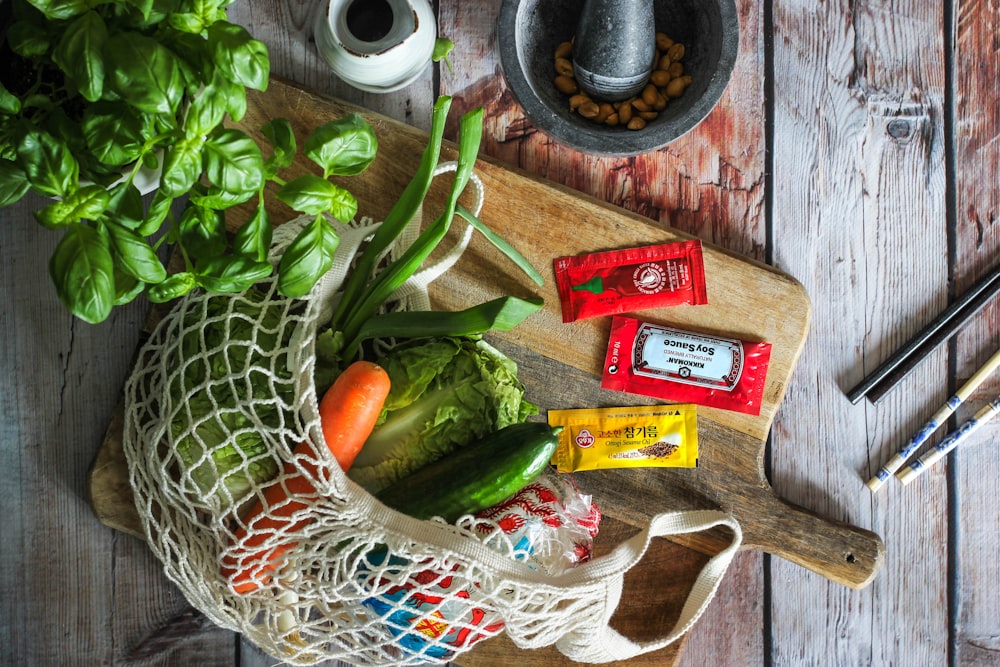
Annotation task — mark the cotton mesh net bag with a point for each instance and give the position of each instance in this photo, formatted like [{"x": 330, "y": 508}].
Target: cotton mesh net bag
[{"x": 229, "y": 379}]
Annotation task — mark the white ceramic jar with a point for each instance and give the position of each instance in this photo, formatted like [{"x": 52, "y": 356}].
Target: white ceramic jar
[{"x": 376, "y": 45}]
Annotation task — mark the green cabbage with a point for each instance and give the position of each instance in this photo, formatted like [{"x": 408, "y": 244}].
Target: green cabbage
[{"x": 446, "y": 392}]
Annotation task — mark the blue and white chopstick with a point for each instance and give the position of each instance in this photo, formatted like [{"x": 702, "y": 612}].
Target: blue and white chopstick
[
  {"x": 939, "y": 418},
  {"x": 953, "y": 440}
]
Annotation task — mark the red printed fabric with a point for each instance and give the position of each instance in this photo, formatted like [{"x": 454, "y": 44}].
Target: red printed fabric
[
  {"x": 685, "y": 366},
  {"x": 621, "y": 281}
]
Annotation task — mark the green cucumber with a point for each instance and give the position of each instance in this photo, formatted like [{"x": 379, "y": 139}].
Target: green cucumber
[{"x": 476, "y": 476}]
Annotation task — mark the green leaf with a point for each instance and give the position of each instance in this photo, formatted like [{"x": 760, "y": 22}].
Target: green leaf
[
  {"x": 398, "y": 271},
  {"x": 144, "y": 7},
  {"x": 236, "y": 101},
  {"x": 397, "y": 219},
  {"x": 127, "y": 288},
  {"x": 48, "y": 163},
  {"x": 231, "y": 274},
  {"x": 314, "y": 195},
  {"x": 13, "y": 183},
  {"x": 308, "y": 257},
  {"x": 233, "y": 161},
  {"x": 343, "y": 147},
  {"x": 28, "y": 39},
  {"x": 253, "y": 238},
  {"x": 61, "y": 9},
  {"x": 218, "y": 199},
  {"x": 279, "y": 134},
  {"x": 175, "y": 286},
  {"x": 502, "y": 314},
  {"x": 144, "y": 72},
  {"x": 240, "y": 57},
  {"x": 203, "y": 232},
  {"x": 126, "y": 207},
  {"x": 442, "y": 48},
  {"x": 83, "y": 272},
  {"x": 113, "y": 133},
  {"x": 502, "y": 245},
  {"x": 9, "y": 103},
  {"x": 207, "y": 110},
  {"x": 87, "y": 203},
  {"x": 181, "y": 167},
  {"x": 135, "y": 256},
  {"x": 79, "y": 54},
  {"x": 158, "y": 211},
  {"x": 186, "y": 22}
]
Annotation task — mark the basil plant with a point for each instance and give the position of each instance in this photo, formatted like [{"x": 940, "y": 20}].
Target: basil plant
[{"x": 97, "y": 91}]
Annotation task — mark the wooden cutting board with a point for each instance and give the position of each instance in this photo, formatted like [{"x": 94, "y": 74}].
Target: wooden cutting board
[{"x": 561, "y": 363}]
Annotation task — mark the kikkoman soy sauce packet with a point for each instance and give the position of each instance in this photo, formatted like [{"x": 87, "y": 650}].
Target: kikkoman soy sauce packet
[
  {"x": 685, "y": 366},
  {"x": 654, "y": 436},
  {"x": 621, "y": 281}
]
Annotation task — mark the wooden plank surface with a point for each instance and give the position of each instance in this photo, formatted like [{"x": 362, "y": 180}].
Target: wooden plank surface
[
  {"x": 861, "y": 165},
  {"x": 972, "y": 480},
  {"x": 935, "y": 601},
  {"x": 537, "y": 217}
]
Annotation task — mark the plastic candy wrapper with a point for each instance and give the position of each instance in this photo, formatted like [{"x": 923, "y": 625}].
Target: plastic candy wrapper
[
  {"x": 620, "y": 281},
  {"x": 648, "y": 436},
  {"x": 685, "y": 366},
  {"x": 549, "y": 524}
]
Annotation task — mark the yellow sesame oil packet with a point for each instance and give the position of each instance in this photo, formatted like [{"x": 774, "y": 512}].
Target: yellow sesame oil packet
[{"x": 655, "y": 436}]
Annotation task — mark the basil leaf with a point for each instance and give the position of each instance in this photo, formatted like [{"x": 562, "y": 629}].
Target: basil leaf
[
  {"x": 253, "y": 238},
  {"x": 181, "y": 167},
  {"x": 28, "y": 39},
  {"x": 126, "y": 207},
  {"x": 186, "y": 22},
  {"x": 61, "y": 9},
  {"x": 240, "y": 57},
  {"x": 82, "y": 270},
  {"x": 314, "y": 195},
  {"x": 203, "y": 232},
  {"x": 308, "y": 257},
  {"x": 13, "y": 183},
  {"x": 144, "y": 73},
  {"x": 175, "y": 286},
  {"x": 48, "y": 163},
  {"x": 343, "y": 147},
  {"x": 145, "y": 7},
  {"x": 9, "y": 103},
  {"x": 279, "y": 134},
  {"x": 135, "y": 256},
  {"x": 236, "y": 101},
  {"x": 78, "y": 54},
  {"x": 113, "y": 133},
  {"x": 207, "y": 110},
  {"x": 126, "y": 287},
  {"x": 53, "y": 216},
  {"x": 86, "y": 203},
  {"x": 218, "y": 199},
  {"x": 232, "y": 274},
  {"x": 233, "y": 161},
  {"x": 159, "y": 208}
]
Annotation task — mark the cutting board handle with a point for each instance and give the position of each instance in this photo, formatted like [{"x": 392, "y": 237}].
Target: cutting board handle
[{"x": 840, "y": 552}]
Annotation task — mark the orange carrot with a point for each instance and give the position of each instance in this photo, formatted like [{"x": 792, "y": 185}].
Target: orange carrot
[{"x": 348, "y": 412}]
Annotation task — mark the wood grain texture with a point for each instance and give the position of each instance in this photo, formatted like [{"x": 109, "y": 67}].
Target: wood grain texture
[
  {"x": 973, "y": 470},
  {"x": 730, "y": 474},
  {"x": 859, "y": 204},
  {"x": 709, "y": 183},
  {"x": 860, "y": 220}
]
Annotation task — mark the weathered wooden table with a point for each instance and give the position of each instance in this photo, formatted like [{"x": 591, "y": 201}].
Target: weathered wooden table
[{"x": 853, "y": 150}]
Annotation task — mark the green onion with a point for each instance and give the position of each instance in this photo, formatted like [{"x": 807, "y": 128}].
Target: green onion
[
  {"x": 397, "y": 219},
  {"x": 502, "y": 314}
]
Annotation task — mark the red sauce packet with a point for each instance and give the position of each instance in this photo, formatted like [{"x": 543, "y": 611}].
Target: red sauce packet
[
  {"x": 621, "y": 281},
  {"x": 684, "y": 366}
]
